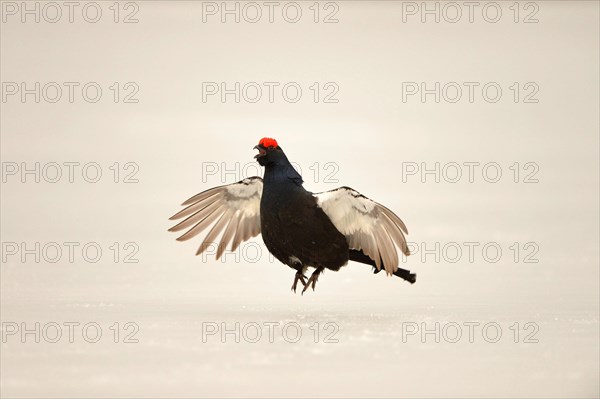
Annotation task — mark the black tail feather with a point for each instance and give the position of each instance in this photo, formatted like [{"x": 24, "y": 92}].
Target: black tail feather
[{"x": 359, "y": 256}]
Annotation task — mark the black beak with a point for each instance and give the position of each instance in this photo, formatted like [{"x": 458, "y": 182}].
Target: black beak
[{"x": 261, "y": 151}]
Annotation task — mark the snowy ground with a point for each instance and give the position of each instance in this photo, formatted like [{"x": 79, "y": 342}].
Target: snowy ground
[{"x": 367, "y": 350}]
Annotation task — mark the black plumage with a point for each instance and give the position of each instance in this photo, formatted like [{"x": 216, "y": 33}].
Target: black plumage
[{"x": 300, "y": 228}]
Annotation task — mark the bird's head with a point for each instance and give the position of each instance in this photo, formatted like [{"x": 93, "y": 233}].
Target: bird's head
[{"x": 268, "y": 151}]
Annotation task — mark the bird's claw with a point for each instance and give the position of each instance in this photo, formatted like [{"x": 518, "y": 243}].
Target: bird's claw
[
  {"x": 299, "y": 277},
  {"x": 312, "y": 281}
]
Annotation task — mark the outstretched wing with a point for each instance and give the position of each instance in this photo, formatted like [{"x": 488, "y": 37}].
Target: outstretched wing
[
  {"x": 367, "y": 225},
  {"x": 235, "y": 208}
]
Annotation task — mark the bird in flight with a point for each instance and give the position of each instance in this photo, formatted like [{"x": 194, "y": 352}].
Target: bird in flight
[{"x": 300, "y": 228}]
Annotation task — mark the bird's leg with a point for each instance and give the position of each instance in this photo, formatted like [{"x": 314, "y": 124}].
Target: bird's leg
[
  {"x": 301, "y": 277},
  {"x": 313, "y": 279}
]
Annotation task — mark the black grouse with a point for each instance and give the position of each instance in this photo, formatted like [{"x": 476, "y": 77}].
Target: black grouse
[{"x": 301, "y": 229}]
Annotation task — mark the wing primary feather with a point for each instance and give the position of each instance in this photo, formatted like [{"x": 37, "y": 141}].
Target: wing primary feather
[
  {"x": 227, "y": 235},
  {"x": 202, "y": 195},
  {"x": 396, "y": 234},
  {"x": 197, "y": 205},
  {"x": 233, "y": 208},
  {"x": 395, "y": 218},
  {"x": 392, "y": 248},
  {"x": 237, "y": 238},
  {"x": 201, "y": 225},
  {"x": 245, "y": 231},
  {"x": 214, "y": 232},
  {"x": 197, "y": 217},
  {"x": 383, "y": 251}
]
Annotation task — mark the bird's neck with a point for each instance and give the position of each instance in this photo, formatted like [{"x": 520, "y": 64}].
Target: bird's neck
[{"x": 281, "y": 171}]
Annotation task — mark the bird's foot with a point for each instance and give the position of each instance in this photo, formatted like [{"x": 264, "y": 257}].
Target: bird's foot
[
  {"x": 312, "y": 281},
  {"x": 299, "y": 277}
]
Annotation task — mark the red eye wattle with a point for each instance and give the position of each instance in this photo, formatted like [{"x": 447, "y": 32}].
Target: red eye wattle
[{"x": 268, "y": 142}]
